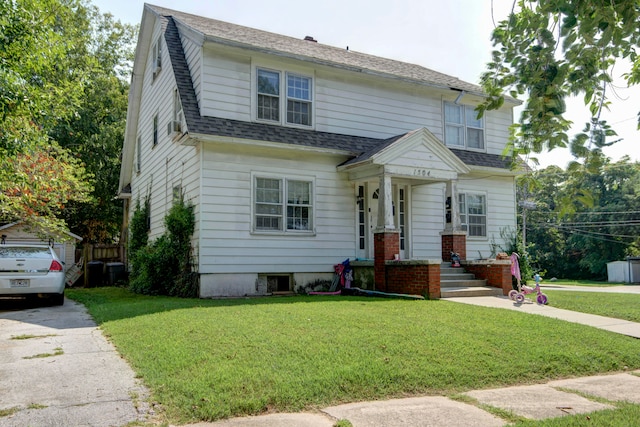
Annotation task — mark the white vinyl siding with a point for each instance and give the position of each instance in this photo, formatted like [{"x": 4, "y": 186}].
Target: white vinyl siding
[
  {"x": 427, "y": 221},
  {"x": 193, "y": 54},
  {"x": 168, "y": 164},
  {"x": 378, "y": 111},
  {"x": 228, "y": 241},
  {"x": 226, "y": 86},
  {"x": 342, "y": 103}
]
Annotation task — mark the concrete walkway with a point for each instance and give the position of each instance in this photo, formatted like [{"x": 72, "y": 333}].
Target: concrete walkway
[
  {"x": 551, "y": 400},
  {"x": 619, "y": 326}
]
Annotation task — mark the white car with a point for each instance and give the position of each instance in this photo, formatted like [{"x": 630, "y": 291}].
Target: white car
[{"x": 28, "y": 270}]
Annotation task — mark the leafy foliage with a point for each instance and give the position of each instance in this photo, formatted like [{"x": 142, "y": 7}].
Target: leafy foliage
[
  {"x": 62, "y": 95},
  {"x": 164, "y": 266},
  {"x": 584, "y": 218},
  {"x": 549, "y": 50}
]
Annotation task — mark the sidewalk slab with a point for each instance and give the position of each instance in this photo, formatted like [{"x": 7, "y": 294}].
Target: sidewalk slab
[
  {"x": 537, "y": 401},
  {"x": 431, "y": 411},
  {"x": 618, "y": 387},
  {"x": 300, "y": 419}
]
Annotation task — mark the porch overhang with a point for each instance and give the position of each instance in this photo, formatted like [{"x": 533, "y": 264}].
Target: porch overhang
[{"x": 417, "y": 155}]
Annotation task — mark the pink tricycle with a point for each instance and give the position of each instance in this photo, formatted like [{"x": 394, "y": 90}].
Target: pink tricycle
[{"x": 518, "y": 296}]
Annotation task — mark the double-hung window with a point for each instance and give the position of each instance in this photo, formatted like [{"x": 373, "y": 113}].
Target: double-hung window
[
  {"x": 296, "y": 99},
  {"x": 283, "y": 205},
  {"x": 156, "y": 59},
  {"x": 269, "y": 95},
  {"x": 473, "y": 213},
  {"x": 462, "y": 127}
]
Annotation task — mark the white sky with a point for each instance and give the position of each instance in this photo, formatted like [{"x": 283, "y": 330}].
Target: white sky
[{"x": 450, "y": 36}]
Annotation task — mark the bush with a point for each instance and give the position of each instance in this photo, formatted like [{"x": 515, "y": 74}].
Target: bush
[{"x": 164, "y": 267}]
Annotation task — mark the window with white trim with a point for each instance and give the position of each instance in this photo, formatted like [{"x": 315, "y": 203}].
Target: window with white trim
[
  {"x": 462, "y": 127},
  {"x": 296, "y": 100},
  {"x": 156, "y": 56},
  {"x": 268, "y": 95},
  {"x": 282, "y": 204},
  {"x": 139, "y": 154},
  {"x": 473, "y": 213},
  {"x": 155, "y": 130},
  {"x": 177, "y": 107}
]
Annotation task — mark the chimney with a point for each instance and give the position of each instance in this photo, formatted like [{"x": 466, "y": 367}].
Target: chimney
[{"x": 310, "y": 39}]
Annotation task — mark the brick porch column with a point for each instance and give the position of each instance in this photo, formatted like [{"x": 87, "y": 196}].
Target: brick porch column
[
  {"x": 453, "y": 241},
  {"x": 386, "y": 245}
]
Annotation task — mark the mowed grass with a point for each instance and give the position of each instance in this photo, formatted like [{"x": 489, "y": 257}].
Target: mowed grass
[
  {"x": 609, "y": 304},
  {"x": 212, "y": 359}
]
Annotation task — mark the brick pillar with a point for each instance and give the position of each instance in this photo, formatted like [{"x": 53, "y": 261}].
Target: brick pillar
[
  {"x": 454, "y": 241},
  {"x": 385, "y": 246}
]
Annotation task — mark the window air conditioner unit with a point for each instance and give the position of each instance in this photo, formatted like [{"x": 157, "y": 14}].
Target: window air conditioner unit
[{"x": 173, "y": 126}]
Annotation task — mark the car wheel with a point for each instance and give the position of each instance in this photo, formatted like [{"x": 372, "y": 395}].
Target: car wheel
[{"x": 57, "y": 299}]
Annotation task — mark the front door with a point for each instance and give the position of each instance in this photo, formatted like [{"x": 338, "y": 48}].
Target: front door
[{"x": 367, "y": 206}]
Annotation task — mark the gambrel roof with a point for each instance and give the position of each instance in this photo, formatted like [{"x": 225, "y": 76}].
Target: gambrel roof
[
  {"x": 310, "y": 51},
  {"x": 214, "y": 31}
]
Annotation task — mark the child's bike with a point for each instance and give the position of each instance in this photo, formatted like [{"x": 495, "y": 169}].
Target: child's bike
[{"x": 519, "y": 295}]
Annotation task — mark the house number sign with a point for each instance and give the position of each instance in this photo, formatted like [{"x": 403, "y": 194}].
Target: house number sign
[{"x": 421, "y": 172}]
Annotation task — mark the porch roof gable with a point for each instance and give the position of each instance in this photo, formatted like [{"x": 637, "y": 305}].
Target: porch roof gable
[{"x": 418, "y": 150}]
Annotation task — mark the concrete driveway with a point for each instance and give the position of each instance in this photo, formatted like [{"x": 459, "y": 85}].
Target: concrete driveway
[{"x": 57, "y": 369}]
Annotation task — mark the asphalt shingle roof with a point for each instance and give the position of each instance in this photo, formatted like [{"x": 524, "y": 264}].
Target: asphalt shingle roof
[
  {"x": 251, "y": 38},
  {"x": 355, "y": 145}
]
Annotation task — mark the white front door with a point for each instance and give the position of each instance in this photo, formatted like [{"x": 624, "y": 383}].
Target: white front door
[{"x": 368, "y": 217}]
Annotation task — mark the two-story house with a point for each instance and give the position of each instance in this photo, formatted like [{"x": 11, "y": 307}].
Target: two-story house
[{"x": 298, "y": 155}]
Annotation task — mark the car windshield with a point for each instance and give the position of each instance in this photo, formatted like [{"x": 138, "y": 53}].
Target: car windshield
[{"x": 24, "y": 252}]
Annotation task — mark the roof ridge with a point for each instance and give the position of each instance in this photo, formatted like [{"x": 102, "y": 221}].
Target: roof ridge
[{"x": 249, "y": 37}]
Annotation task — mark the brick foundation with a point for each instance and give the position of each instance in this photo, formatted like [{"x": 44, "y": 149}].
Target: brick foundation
[
  {"x": 454, "y": 241},
  {"x": 497, "y": 273},
  {"x": 414, "y": 277}
]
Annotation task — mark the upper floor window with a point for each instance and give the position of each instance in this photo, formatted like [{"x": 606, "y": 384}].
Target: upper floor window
[
  {"x": 269, "y": 95},
  {"x": 156, "y": 58},
  {"x": 473, "y": 213},
  {"x": 296, "y": 100},
  {"x": 462, "y": 128},
  {"x": 283, "y": 204}
]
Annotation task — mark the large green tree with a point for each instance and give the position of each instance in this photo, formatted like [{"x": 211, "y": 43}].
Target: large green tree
[
  {"x": 583, "y": 219},
  {"x": 95, "y": 133},
  {"x": 549, "y": 50},
  {"x": 63, "y": 71}
]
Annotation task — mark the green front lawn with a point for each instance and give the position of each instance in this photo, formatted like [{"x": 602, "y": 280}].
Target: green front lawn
[
  {"x": 211, "y": 359},
  {"x": 619, "y": 306}
]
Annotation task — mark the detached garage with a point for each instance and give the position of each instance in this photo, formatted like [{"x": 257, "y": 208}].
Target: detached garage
[{"x": 16, "y": 233}]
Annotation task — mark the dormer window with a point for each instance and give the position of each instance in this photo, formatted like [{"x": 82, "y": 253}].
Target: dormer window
[
  {"x": 297, "y": 101},
  {"x": 462, "y": 128}
]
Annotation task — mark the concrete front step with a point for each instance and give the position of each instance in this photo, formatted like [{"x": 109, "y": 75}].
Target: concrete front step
[
  {"x": 467, "y": 283},
  {"x": 457, "y": 276},
  {"x": 473, "y": 291}
]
